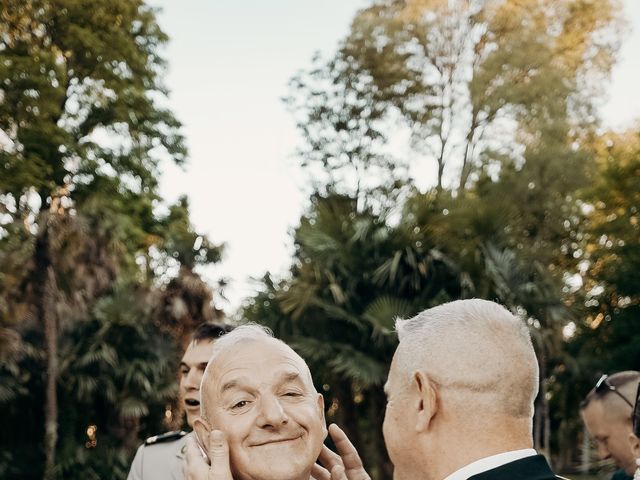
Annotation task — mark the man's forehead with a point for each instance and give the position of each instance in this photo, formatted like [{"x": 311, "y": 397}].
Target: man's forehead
[
  {"x": 598, "y": 418},
  {"x": 198, "y": 351},
  {"x": 269, "y": 358},
  {"x": 247, "y": 379}
]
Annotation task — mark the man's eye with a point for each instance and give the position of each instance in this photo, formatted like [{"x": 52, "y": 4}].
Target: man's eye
[
  {"x": 292, "y": 394},
  {"x": 184, "y": 371},
  {"x": 240, "y": 404}
]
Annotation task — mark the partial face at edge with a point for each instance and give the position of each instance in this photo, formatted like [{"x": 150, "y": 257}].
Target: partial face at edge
[
  {"x": 260, "y": 395},
  {"x": 634, "y": 444},
  {"x": 192, "y": 366},
  {"x": 397, "y": 421},
  {"x": 611, "y": 436}
]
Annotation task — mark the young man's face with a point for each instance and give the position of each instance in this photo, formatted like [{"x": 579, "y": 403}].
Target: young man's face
[
  {"x": 192, "y": 366},
  {"x": 260, "y": 394},
  {"x": 611, "y": 435}
]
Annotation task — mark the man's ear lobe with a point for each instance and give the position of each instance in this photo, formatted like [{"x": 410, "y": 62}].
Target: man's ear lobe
[
  {"x": 203, "y": 430},
  {"x": 425, "y": 398}
]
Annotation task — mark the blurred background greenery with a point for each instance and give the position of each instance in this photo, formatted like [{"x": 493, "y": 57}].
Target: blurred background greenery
[{"x": 536, "y": 206}]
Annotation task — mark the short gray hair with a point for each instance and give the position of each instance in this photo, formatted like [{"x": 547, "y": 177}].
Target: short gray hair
[
  {"x": 244, "y": 333},
  {"x": 477, "y": 351}
]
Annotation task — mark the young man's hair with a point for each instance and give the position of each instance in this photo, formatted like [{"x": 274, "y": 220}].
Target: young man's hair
[{"x": 210, "y": 331}]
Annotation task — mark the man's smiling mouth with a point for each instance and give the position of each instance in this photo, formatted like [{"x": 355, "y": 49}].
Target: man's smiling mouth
[{"x": 277, "y": 440}]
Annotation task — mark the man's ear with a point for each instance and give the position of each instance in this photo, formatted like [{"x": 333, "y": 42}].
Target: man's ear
[
  {"x": 203, "y": 430},
  {"x": 424, "y": 398},
  {"x": 634, "y": 444},
  {"x": 320, "y": 407}
]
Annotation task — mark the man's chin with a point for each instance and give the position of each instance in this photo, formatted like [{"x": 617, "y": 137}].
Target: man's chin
[
  {"x": 190, "y": 418},
  {"x": 275, "y": 474},
  {"x": 276, "y": 464}
]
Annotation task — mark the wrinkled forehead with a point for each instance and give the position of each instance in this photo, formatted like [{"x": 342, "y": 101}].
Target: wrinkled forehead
[{"x": 255, "y": 358}]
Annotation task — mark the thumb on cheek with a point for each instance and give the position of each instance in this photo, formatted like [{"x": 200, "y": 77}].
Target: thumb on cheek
[{"x": 219, "y": 455}]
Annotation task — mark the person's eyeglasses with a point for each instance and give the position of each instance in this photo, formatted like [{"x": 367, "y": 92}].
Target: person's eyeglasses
[{"x": 603, "y": 385}]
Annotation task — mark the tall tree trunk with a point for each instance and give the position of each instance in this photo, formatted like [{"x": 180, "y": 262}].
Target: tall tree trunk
[
  {"x": 44, "y": 301},
  {"x": 547, "y": 421},
  {"x": 51, "y": 403}
]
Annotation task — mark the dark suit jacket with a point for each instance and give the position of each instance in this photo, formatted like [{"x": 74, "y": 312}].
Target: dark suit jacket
[
  {"x": 621, "y": 475},
  {"x": 528, "y": 468}
]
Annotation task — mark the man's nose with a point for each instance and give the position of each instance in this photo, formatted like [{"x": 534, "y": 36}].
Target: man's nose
[
  {"x": 192, "y": 380},
  {"x": 271, "y": 412}
]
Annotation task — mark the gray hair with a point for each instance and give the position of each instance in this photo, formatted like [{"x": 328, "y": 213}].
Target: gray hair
[
  {"x": 250, "y": 332},
  {"x": 478, "y": 352}
]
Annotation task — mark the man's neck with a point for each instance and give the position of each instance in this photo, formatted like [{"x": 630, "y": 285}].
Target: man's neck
[{"x": 462, "y": 449}]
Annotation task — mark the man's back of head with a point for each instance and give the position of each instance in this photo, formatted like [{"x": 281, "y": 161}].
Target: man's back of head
[
  {"x": 606, "y": 412},
  {"x": 471, "y": 366}
]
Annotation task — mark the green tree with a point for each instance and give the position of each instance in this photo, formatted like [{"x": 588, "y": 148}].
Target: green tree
[
  {"x": 186, "y": 300},
  {"x": 607, "y": 335},
  {"x": 83, "y": 130},
  {"x": 470, "y": 81}
]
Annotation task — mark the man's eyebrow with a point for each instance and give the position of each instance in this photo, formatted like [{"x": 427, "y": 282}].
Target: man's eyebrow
[
  {"x": 202, "y": 365},
  {"x": 229, "y": 385},
  {"x": 289, "y": 377}
]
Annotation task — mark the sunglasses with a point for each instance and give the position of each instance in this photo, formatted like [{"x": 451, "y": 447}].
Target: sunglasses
[{"x": 603, "y": 386}]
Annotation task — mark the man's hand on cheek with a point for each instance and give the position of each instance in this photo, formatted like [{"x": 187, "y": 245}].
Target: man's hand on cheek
[
  {"x": 218, "y": 453},
  {"x": 345, "y": 465}
]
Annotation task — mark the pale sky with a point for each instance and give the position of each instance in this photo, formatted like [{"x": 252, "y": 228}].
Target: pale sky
[{"x": 229, "y": 64}]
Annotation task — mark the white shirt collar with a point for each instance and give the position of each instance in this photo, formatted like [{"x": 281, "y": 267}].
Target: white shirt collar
[{"x": 489, "y": 463}]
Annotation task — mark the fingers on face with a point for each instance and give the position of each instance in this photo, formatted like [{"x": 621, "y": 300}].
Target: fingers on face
[
  {"x": 348, "y": 453},
  {"x": 319, "y": 473},
  {"x": 329, "y": 459}
]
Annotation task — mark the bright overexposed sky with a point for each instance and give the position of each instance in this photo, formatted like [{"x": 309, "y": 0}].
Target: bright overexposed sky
[{"x": 229, "y": 64}]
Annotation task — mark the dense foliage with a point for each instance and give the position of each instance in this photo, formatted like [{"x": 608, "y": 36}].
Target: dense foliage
[{"x": 97, "y": 283}]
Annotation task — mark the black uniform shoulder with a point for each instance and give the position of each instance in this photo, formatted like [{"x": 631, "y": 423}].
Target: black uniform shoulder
[{"x": 165, "y": 437}]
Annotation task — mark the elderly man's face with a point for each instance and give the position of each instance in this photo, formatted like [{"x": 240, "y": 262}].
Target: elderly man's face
[{"x": 260, "y": 394}]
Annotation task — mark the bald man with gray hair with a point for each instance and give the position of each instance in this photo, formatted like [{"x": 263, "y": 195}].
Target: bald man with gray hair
[{"x": 261, "y": 417}]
